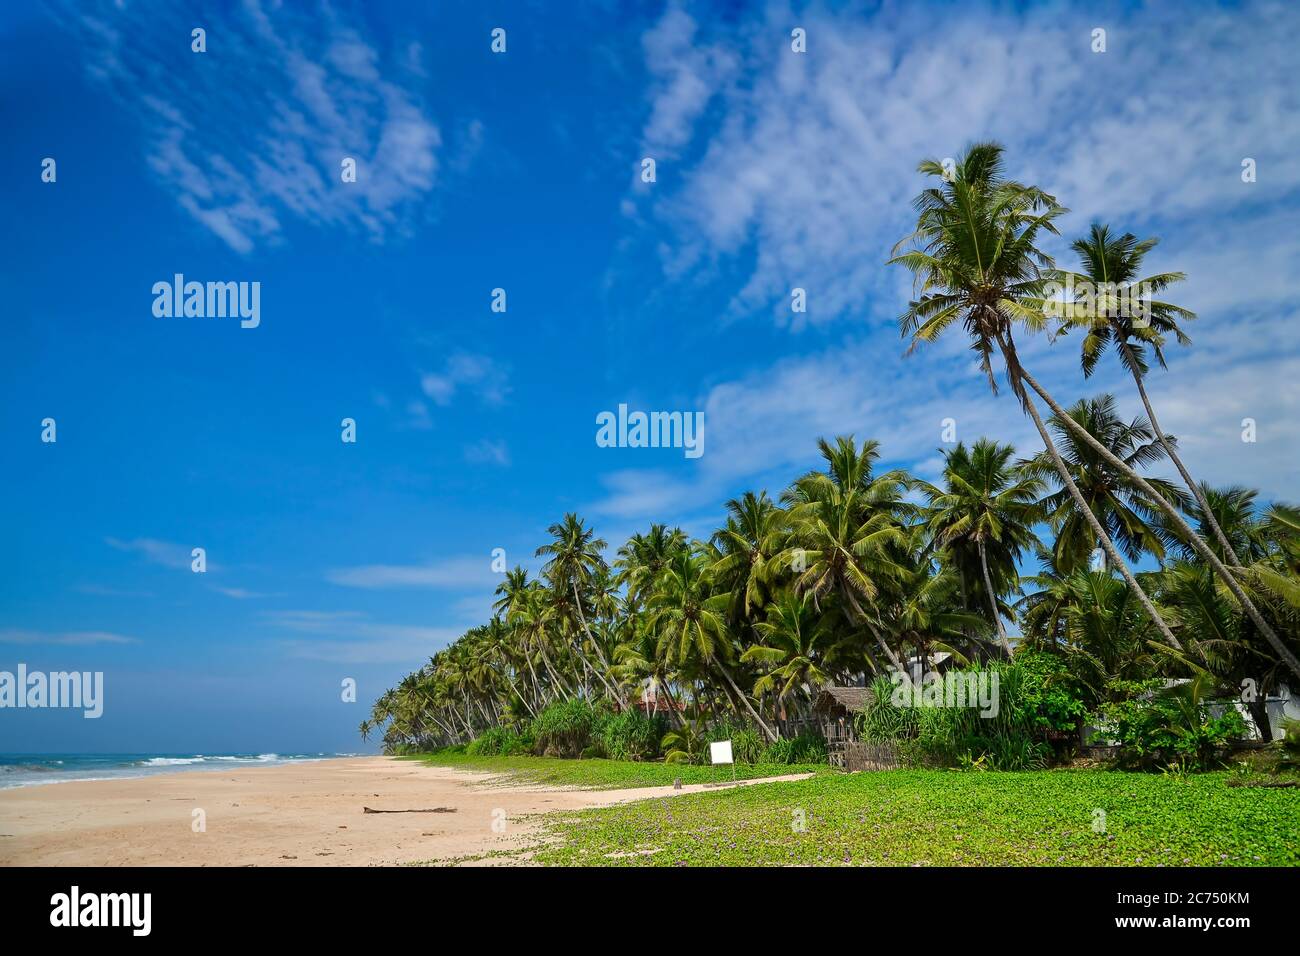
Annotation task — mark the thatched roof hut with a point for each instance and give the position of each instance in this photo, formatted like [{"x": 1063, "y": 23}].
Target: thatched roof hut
[
  {"x": 841, "y": 701},
  {"x": 835, "y": 709}
]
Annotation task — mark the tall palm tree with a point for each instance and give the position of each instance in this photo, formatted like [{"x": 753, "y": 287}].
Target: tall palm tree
[
  {"x": 845, "y": 556},
  {"x": 986, "y": 505},
  {"x": 747, "y": 543},
  {"x": 1111, "y": 269},
  {"x": 1130, "y": 518},
  {"x": 644, "y": 556},
  {"x": 976, "y": 260},
  {"x": 575, "y": 564},
  {"x": 690, "y": 625},
  {"x": 793, "y": 634}
]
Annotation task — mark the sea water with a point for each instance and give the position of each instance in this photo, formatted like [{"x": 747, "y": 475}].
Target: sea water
[{"x": 25, "y": 770}]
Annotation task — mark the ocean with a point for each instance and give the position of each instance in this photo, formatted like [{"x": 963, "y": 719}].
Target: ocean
[{"x": 26, "y": 770}]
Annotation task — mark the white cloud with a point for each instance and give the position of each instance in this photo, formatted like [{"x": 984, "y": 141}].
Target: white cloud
[
  {"x": 452, "y": 573},
  {"x": 251, "y": 134},
  {"x": 806, "y": 177},
  {"x": 803, "y": 174},
  {"x": 62, "y": 638},
  {"x": 488, "y": 452},
  {"x": 481, "y": 374},
  {"x": 350, "y": 637},
  {"x": 164, "y": 553},
  {"x": 239, "y": 594}
]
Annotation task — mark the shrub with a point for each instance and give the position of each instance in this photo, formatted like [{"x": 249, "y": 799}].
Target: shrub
[
  {"x": 1050, "y": 694},
  {"x": 630, "y": 735},
  {"x": 499, "y": 742},
  {"x": 687, "y": 744},
  {"x": 1159, "y": 727},
  {"x": 808, "y": 747},
  {"x": 564, "y": 729},
  {"x": 930, "y": 735}
]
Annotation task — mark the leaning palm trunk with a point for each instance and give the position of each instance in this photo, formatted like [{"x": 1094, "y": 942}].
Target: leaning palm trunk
[
  {"x": 875, "y": 632},
  {"x": 1192, "y": 486},
  {"x": 768, "y": 732},
  {"x": 565, "y": 690},
  {"x": 518, "y": 692},
  {"x": 1016, "y": 373},
  {"x": 993, "y": 599},
  {"x": 577, "y": 602},
  {"x": 1192, "y": 537},
  {"x": 538, "y": 695}
]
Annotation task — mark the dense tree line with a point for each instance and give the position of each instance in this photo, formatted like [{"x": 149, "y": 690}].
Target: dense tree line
[{"x": 852, "y": 570}]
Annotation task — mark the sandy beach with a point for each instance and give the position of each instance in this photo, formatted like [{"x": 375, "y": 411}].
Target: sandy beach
[{"x": 304, "y": 814}]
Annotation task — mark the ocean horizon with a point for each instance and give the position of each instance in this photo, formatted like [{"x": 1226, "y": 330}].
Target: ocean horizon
[{"x": 27, "y": 770}]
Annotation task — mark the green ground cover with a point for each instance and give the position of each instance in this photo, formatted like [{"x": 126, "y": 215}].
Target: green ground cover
[{"x": 913, "y": 817}]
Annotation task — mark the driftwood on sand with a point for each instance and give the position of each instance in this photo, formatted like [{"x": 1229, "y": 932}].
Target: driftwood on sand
[{"x": 429, "y": 810}]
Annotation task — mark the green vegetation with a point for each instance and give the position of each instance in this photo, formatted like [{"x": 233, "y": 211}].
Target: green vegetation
[
  {"x": 944, "y": 818},
  {"x": 853, "y": 571},
  {"x": 604, "y": 774}
]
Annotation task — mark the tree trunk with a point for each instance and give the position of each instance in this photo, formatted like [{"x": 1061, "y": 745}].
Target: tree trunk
[
  {"x": 1259, "y": 713},
  {"x": 880, "y": 639},
  {"x": 1014, "y": 371},
  {"x": 993, "y": 599},
  {"x": 565, "y": 691},
  {"x": 1192, "y": 486},
  {"x": 1193, "y": 538},
  {"x": 577, "y": 602},
  {"x": 748, "y": 706}
]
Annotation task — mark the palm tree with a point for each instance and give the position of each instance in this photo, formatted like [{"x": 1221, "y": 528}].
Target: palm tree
[
  {"x": 1233, "y": 511},
  {"x": 575, "y": 564},
  {"x": 1111, "y": 266},
  {"x": 1130, "y": 518},
  {"x": 690, "y": 627},
  {"x": 975, "y": 259},
  {"x": 746, "y": 544},
  {"x": 986, "y": 505},
  {"x": 644, "y": 556},
  {"x": 1105, "y": 630},
  {"x": 792, "y": 635},
  {"x": 844, "y": 556},
  {"x": 929, "y": 612}
]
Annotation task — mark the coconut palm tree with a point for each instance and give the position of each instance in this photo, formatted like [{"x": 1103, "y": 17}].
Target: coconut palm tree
[
  {"x": 1119, "y": 311},
  {"x": 792, "y": 634},
  {"x": 691, "y": 629},
  {"x": 575, "y": 565},
  {"x": 976, "y": 261},
  {"x": 835, "y": 552},
  {"x": 1130, "y": 518},
  {"x": 752, "y": 536},
  {"x": 644, "y": 556},
  {"x": 987, "y": 506}
]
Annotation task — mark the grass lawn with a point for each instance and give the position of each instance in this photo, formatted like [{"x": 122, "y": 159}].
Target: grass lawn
[
  {"x": 913, "y": 817},
  {"x": 607, "y": 774}
]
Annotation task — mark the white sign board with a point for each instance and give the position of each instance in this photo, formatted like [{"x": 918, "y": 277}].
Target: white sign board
[{"x": 720, "y": 751}]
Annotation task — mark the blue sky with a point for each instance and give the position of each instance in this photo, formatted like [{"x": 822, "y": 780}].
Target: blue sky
[{"x": 519, "y": 171}]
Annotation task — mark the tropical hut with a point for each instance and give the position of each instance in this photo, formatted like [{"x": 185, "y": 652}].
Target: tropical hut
[{"x": 835, "y": 710}]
